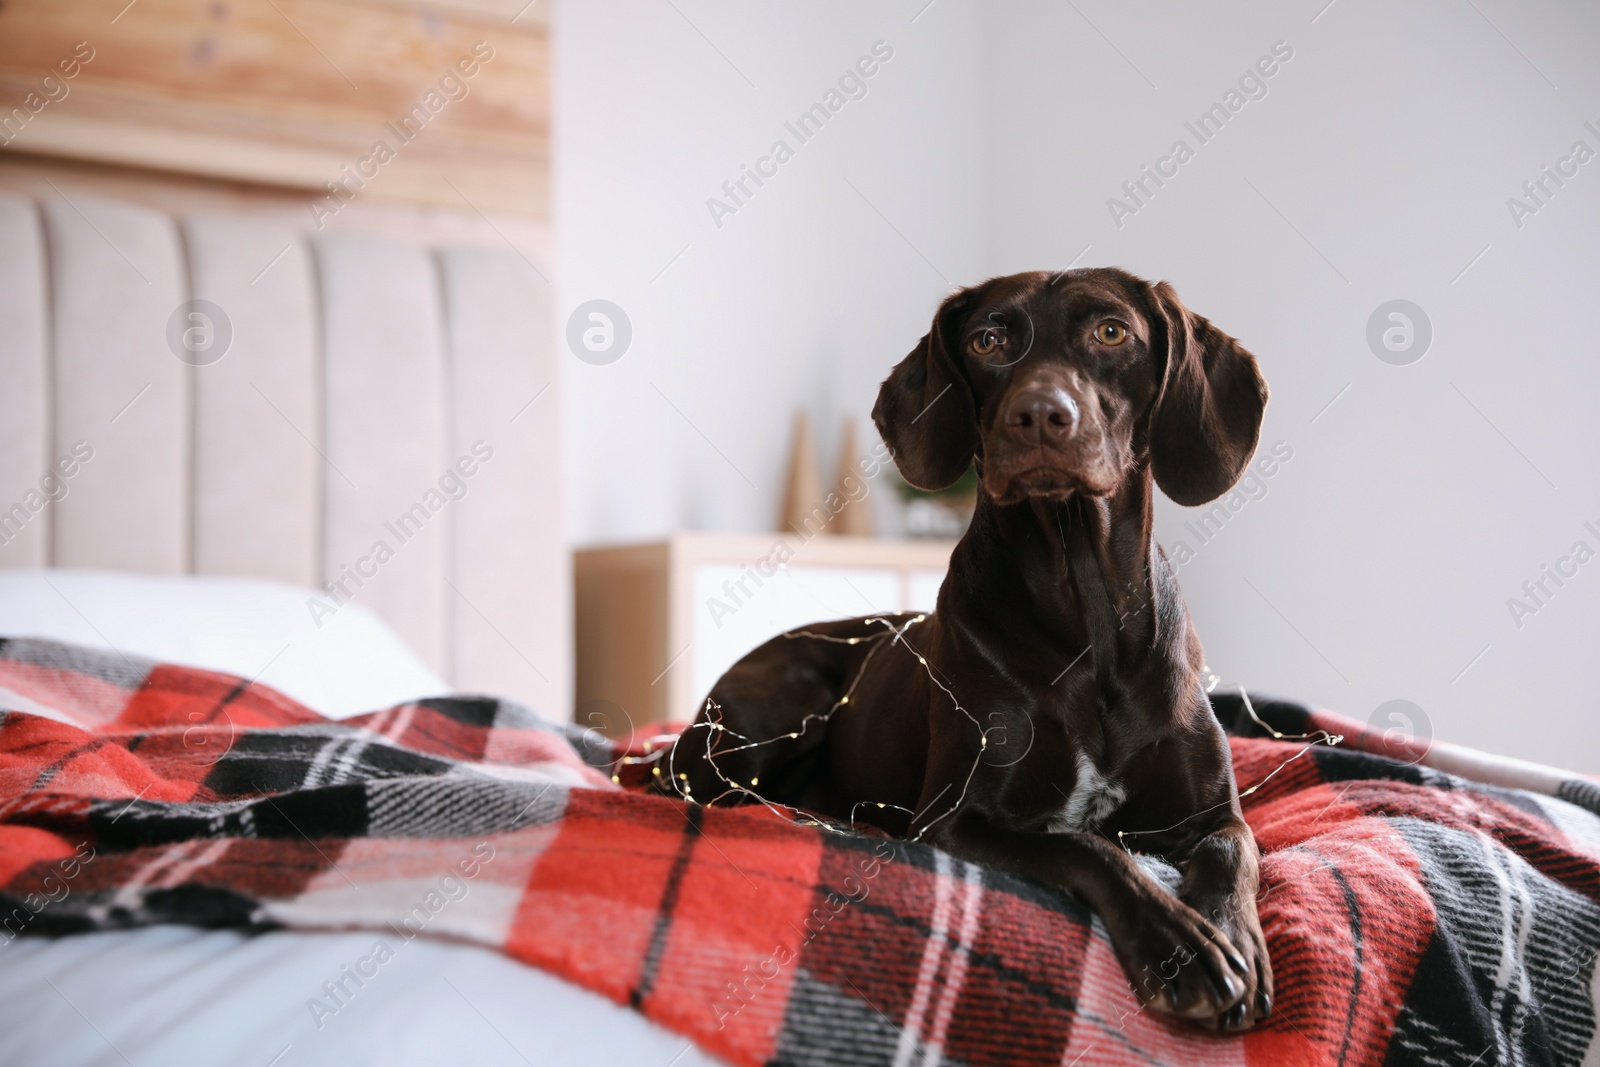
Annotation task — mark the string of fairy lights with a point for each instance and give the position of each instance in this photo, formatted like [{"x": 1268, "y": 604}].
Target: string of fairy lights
[
  {"x": 664, "y": 747},
  {"x": 1312, "y": 739}
]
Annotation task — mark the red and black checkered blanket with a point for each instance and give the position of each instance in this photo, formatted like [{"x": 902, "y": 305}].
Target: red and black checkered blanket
[{"x": 1414, "y": 916}]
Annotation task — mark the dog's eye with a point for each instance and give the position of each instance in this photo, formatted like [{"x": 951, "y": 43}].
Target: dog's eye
[
  {"x": 988, "y": 342},
  {"x": 1111, "y": 333}
]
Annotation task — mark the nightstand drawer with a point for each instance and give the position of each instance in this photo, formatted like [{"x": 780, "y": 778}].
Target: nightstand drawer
[
  {"x": 724, "y": 630},
  {"x": 658, "y": 624}
]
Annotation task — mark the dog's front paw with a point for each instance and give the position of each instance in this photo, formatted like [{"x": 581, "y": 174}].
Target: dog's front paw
[
  {"x": 1180, "y": 963},
  {"x": 1238, "y": 921}
]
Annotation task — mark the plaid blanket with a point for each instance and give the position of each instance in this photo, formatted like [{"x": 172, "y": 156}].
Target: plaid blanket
[{"x": 1414, "y": 916}]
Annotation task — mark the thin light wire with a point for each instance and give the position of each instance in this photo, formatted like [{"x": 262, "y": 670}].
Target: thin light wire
[
  {"x": 1312, "y": 739},
  {"x": 713, "y": 726}
]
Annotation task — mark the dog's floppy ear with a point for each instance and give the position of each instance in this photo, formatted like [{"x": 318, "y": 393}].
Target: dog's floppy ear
[
  {"x": 925, "y": 412},
  {"x": 1207, "y": 418}
]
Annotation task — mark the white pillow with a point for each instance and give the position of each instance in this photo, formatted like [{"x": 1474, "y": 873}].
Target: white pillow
[{"x": 256, "y": 629}]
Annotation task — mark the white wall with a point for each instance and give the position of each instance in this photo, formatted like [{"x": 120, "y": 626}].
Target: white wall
[
  {"x": 803, "y": 298},
  {"x": 1379, "y": 563}
]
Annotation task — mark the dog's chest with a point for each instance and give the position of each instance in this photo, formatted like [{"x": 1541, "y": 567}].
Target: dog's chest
[{"x": 1092, "y": 800}]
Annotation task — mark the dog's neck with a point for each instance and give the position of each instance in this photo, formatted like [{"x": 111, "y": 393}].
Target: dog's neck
[{"x": 1085, "y": 565}]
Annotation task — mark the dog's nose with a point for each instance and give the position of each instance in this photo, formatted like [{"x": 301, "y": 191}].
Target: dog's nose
[{"x": 1042, "y": 414}]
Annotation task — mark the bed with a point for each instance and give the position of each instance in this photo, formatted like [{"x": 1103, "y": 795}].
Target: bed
[
  {"x": 176, "y": 994},
  {"x": 379, "y": 863},
  {"x": 249, "y": 818},
  {"x": 203, "y": 510},
  {"x": 372, "y": 418}
]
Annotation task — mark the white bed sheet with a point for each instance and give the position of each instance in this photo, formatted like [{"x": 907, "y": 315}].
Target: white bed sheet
[
  {"x": 340, "y": 665},
  {"x": 171, "y": 996}
]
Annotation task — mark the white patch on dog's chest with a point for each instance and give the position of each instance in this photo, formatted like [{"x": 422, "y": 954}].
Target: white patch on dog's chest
[{"x": 1094, "y": 797}]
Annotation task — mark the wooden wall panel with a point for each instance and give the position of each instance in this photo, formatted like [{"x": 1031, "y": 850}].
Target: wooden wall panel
[{"x": 290, "y": 92}]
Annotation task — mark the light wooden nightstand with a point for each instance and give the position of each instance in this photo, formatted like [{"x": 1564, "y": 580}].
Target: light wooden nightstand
[{"x": 659, "y": 623}]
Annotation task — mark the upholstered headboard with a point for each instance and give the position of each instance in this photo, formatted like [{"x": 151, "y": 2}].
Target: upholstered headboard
[{"x": 374, "y": 393}]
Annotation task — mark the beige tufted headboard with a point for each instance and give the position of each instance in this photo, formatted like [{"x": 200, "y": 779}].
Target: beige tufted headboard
[{"x": 376, "y": 392}]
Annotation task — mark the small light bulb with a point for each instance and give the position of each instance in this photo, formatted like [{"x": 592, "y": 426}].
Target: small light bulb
[
  {"x": 844, "y": 700},
  {"x": 922, "y": 661},
  {"x": 754, "y": 780}
]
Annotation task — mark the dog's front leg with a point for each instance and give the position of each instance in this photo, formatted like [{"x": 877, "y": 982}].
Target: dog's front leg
[
  {"x": 1177, "y": 960},
  {"x": 1220, "y": 882}
]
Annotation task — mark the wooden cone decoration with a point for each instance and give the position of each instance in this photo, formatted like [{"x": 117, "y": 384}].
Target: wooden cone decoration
[
  {"x": 855, "y": 520},
  {"x": 802, "y": 492}
]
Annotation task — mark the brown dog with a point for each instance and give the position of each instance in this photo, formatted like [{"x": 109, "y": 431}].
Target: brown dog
[{"x": 1049, "y": 717}]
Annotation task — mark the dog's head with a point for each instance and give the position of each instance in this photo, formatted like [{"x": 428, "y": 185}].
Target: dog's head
[{"x": 1070, "y": 383}]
